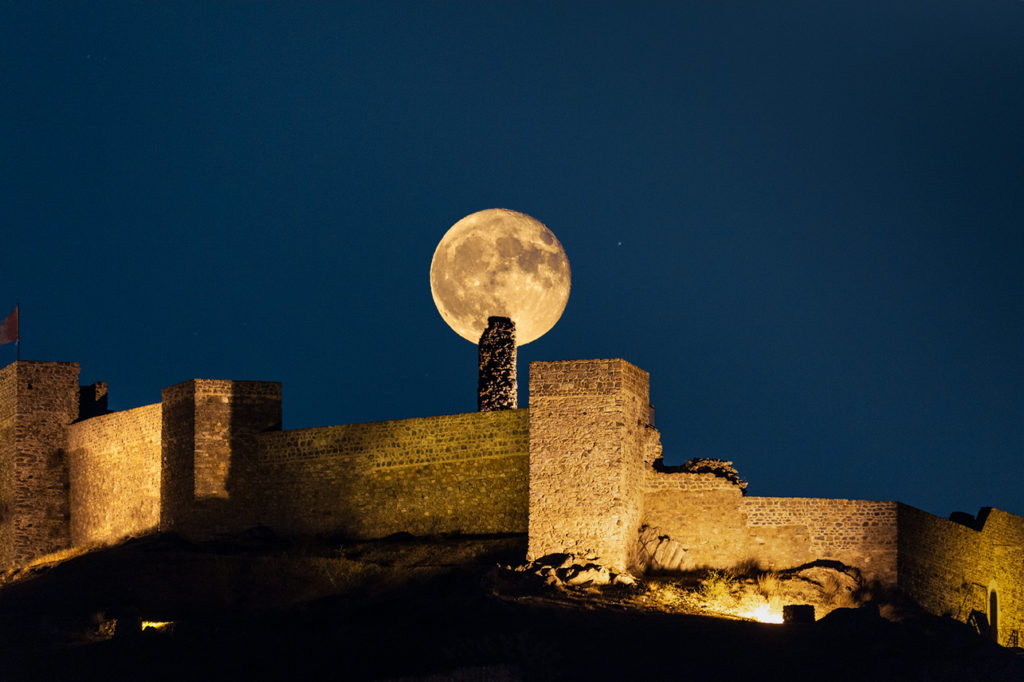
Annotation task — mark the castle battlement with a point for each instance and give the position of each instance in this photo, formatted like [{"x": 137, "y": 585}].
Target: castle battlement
[{"x": 579, "y": 472}]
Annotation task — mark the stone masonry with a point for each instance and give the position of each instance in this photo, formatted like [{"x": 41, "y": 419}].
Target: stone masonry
[
  {"x": 965, "y": 568},
  {"x": 210, "y": 430},
  {"x": 587, "y": 432},
  {"x": 497, "y": 351},
  {"x": 37, "y": 400},
  {"x": 114, "y": 465},
  {"x": 580, "y": 472},
  {"x": 462, "y": 473}
]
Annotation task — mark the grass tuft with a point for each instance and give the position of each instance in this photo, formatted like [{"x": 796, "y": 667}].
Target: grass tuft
[
  {"x": 716, "y": 586},
  {"x": 769, "y": 585}
]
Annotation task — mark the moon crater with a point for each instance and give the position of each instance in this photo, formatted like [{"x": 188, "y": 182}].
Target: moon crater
[{"x": 504, "y": 263}]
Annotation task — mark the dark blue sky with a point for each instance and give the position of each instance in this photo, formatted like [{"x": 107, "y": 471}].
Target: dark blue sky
[{"x": 804, "y": 219}]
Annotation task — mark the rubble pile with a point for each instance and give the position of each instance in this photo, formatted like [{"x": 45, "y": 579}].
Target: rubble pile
[{"x": 562, "y": 570}]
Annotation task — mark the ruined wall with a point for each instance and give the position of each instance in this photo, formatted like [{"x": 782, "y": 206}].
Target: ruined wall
[
  {"x": 209, "y": 433},
  {"x": 719, "y": 527},
  {"x": 114, "y": 465},
  {"x": 460, "y": 473},
  {"x": 37, "y": 399},
  {"x": 951, "y": 568},
  {"x": 496, "y": 383},
  {"x": 588, "y": 443}
]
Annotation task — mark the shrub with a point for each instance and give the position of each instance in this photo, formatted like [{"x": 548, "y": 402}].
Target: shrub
[
  {"x": 769, "y": 585},
  {"x": 833, "y": 592},
  {"x": 716, "y": 586}
]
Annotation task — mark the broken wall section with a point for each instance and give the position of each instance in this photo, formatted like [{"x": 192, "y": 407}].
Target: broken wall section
[{"x": 717, "y": 526}]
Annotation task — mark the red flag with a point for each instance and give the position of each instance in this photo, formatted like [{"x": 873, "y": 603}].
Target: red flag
[{"x": 9, "y": 328}]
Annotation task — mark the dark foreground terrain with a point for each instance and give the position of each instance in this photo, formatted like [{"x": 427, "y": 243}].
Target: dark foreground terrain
[{"x": 256, "y": 606}]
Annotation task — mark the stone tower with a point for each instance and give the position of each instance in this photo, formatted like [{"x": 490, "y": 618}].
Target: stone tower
[
  {"x": 497, "y": 384},
  {"x": 209, "y": 434},
  {"x": 37, "y": 400},
  {"x": 589, "y": 422}
]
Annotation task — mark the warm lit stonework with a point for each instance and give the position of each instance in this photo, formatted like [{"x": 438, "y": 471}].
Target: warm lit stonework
[{"x": 580, "y": 471}]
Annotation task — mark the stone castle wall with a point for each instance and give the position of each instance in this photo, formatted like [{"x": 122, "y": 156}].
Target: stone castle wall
[
  {"x": 589, "y": 423},
  {"x": 464, "y": 473},
  {"x": 8, "y": 457},
  {"x": 114, "y": 466},
  {"x": 37, "y": 400},
  {"x": 860, "y": 533},
  {"x": 576, "y": 471},
  {"x": 952, "y": 568},
  {"x": 210, "y": 430},
  {"x": 719, "y": 527}
]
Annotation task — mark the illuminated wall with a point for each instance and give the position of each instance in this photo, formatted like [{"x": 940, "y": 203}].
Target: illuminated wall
[
  {"x": 210, "y": 430},
  {"x": 576, "y": 471},
  {"x": 114, "y": 467},
  {"x": 37, "y": 400},
  {"x": 719, "y": 527},
  {"x": 593, "y": 484},
  {"x": 953, "y": 568},
  {"x": 589, "y": 436},
  {"x": 463, "y": 473}
]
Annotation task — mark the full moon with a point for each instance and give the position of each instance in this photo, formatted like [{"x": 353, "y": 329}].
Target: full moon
[{"x": 503, "y": 263}]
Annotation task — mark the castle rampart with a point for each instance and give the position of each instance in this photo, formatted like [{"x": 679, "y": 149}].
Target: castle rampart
[
  {"x": 114, "y": 466},
  {"x": 579, "y": 471},
  {"x": 209, "y": 441},
  {"x": 719, "y": 527},
  {"x": 458, "y": 473}
]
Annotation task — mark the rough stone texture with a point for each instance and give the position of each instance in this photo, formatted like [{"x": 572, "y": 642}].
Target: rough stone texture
[
  {"x": 577, "y": 470},
  {"x": 459, "y": 473},
  {"x": 497, "y": 351},
  {"x": 952, "y": 568},
  {"x": 659, "y": 552},
  {"x": 114, "y": 463},
  {"x": 209, "y": 435},
  {"x": 588, "y": 453},
  {"x": 859, "y": 533},
  {"x": 718, "y": 527},
  {"x": 37, "y": 400},
  {"x": 717, "y": 467},
  {"x": 655, "y": 480}
]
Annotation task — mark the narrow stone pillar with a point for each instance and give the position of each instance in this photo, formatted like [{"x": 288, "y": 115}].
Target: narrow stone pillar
[{"x": 497, "y": 385}]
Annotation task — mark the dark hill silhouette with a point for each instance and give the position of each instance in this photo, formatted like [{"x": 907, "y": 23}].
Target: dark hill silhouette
[{"x": 261, "y": 607}]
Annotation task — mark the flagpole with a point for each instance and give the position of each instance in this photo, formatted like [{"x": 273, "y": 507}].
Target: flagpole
[{"x": 17, "y": 343}]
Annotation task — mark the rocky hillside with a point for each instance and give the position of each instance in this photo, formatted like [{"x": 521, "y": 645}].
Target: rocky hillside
[{"x": 429, "y": 609}]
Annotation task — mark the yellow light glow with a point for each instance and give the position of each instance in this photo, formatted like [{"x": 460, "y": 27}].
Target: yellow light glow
[
  {"x": 157, "y": 624},
  {"x": 763, "y": 614}
]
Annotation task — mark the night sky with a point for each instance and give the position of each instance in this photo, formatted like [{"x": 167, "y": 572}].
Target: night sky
[{"x": 804, "y": 219}]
